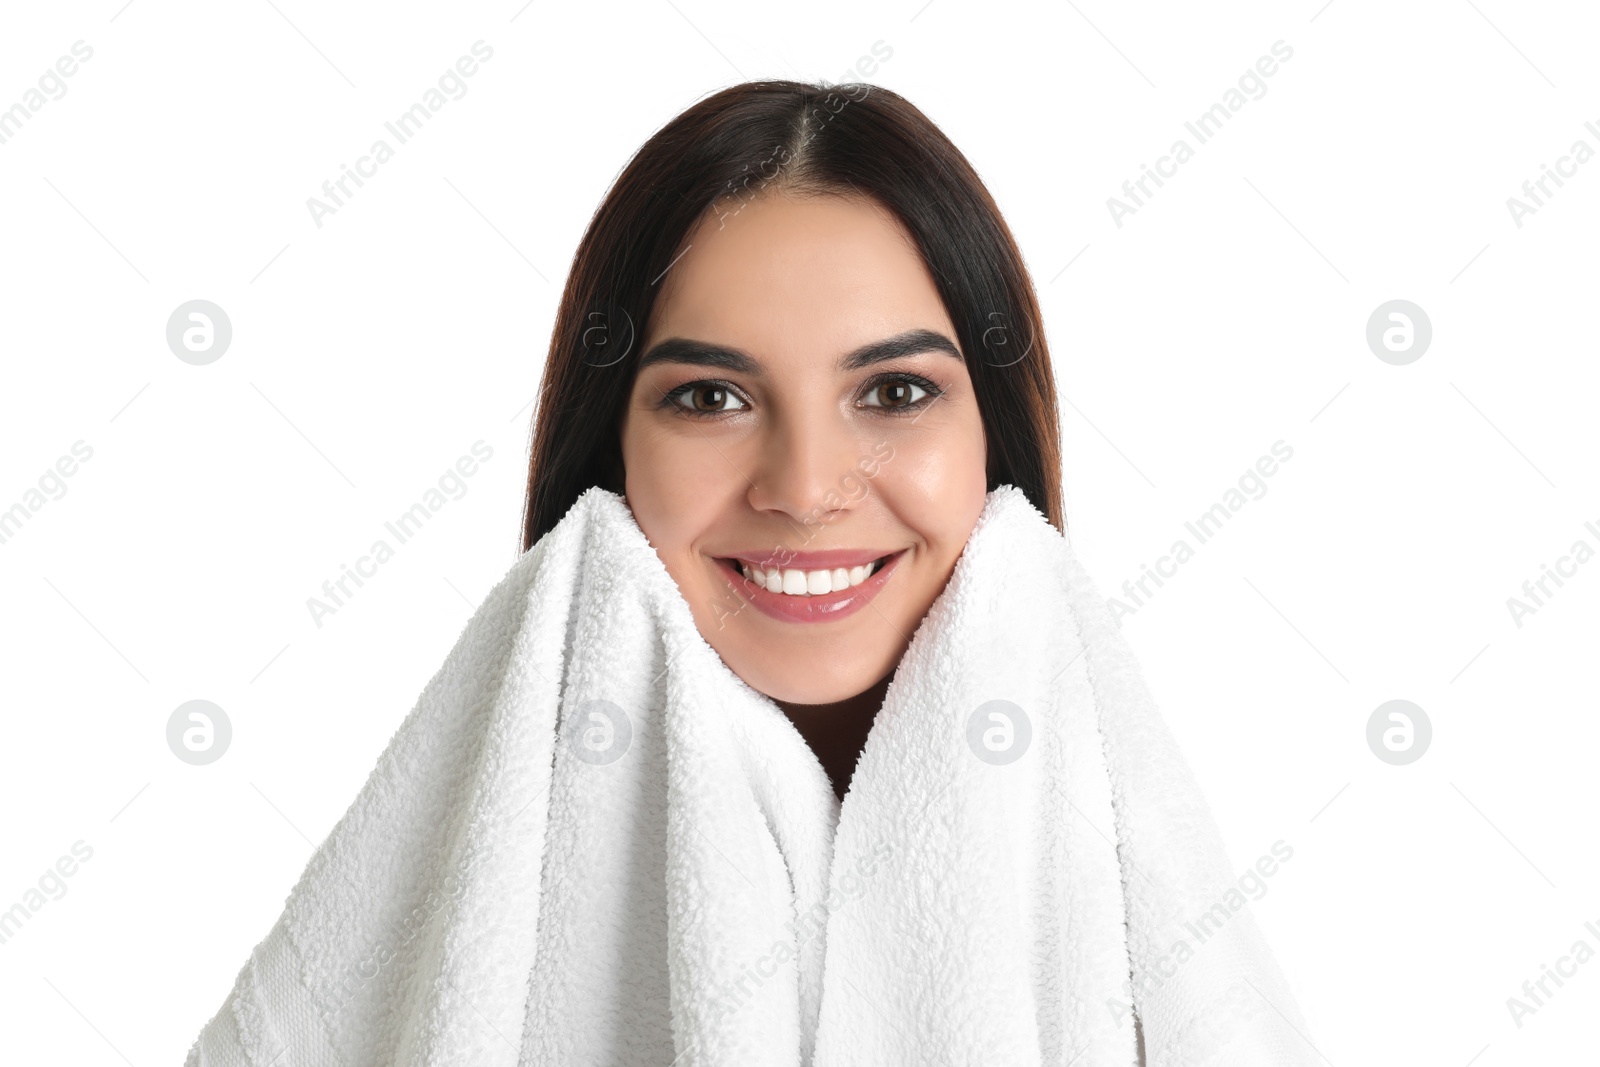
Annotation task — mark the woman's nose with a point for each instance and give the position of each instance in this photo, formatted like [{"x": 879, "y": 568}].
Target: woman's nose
[{"x": 803, "y": 467}]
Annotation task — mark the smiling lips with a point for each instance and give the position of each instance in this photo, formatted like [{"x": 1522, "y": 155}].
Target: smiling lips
[{"x": 810, "y": 586}]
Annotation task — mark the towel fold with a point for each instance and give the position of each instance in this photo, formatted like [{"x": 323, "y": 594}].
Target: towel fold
[{"x": 591, "y": 843}]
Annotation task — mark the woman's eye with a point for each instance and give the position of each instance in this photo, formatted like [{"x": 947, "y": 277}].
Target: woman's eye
[
  {"x": 704, "y": 398},
  {"x": 894, "y": 393}
]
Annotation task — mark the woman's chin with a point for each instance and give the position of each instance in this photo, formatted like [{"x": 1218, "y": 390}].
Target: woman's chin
[{"x": 793, "y": 687}]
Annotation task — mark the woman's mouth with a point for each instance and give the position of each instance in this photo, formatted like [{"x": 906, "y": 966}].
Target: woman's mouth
[
  {"x": 792, "y": 581},
  {"x": 809, "y": 594}
]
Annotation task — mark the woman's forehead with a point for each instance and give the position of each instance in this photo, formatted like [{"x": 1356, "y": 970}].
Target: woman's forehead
[{"x": 790, "y": 275}]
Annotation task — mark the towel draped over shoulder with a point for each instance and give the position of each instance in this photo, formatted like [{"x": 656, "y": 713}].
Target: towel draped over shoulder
[{"x": 591, "y": 843}]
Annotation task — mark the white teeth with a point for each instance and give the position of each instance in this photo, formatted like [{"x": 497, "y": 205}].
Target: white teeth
[{"x": 796, "y": 582}]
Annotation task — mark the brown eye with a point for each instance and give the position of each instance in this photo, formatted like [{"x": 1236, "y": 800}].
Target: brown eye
[
  {"x": 713, "y": 396},
  {"x": 705, "y": 398},
  {"x": 894, "y": 394}
]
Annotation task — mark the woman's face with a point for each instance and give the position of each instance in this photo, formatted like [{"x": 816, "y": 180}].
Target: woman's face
[{"x": 801, "y": 406}]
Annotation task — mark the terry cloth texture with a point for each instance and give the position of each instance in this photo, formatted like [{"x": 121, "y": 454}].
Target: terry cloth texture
[{"x": 591, "y": 843}]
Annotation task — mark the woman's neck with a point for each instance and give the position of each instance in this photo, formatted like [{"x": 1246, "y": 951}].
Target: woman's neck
[{"x": 837, "y": 732}]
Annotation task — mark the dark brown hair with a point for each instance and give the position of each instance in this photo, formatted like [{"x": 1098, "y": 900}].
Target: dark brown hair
[{"x": 852, "y": 139}]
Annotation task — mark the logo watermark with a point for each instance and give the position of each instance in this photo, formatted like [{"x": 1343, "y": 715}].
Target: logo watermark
[
  {"x": 850, "y": 91},
  {"x": 199, "y": 732},
  {"x": 51, "y": 482},
  {"x": 598, "y": 731},
  {"x": 1252, "y": 884},
  {"x": 52, "y": 81},
  {"x": 1210, "y": 123},
  {"x": 1578, "y": 154},
  {"x": 1399, "y": 732},
  {"x": 1399, "y": 332},
  {"x": 851, "y": 885},
  {"x": 400, "y": 932},
  {"x": 1203, "y": 528},
  {"x": 402, "y": 528},
  {"x": 1579, "y": 554},
  {"x": 999, "y": 732},
  {"x": 51, "y": 886},
  {"x": 199, "y": 332},
  {"x": 1531, "y": 1000},
  {"x": 854, "y": 485},
  {"x": 402, "y": 128}
]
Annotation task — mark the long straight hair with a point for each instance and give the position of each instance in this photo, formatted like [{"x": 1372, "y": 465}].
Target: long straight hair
[{"x": 855, "y": 140}]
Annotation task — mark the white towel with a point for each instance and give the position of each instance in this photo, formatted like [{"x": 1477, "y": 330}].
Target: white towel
[{"x": 591, "y": 843}]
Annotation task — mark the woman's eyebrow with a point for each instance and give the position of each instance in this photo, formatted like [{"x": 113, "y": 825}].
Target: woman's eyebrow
[
  {"x": 910, "y": 343},
  {"x": 700, "y": 354},
  {"x": 706, "y": 354}
]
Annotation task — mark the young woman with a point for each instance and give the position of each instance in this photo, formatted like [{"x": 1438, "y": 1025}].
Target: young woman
[
  {"x": 787, "y": 288},
  {"x": 796, "y": 736}
]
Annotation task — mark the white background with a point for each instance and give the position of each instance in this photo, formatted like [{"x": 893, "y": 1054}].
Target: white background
[{"x": 1228, "y": 313}]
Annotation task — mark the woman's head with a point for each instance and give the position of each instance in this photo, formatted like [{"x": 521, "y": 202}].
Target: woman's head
[{"x": 799, "y": 335}]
